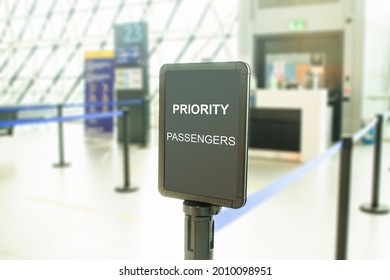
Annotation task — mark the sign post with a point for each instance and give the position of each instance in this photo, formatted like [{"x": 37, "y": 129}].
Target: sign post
[
  {"x": 199, "y": 230},
  {"x": 203, "y": 144},
  {"x": 131, "y": 77}
]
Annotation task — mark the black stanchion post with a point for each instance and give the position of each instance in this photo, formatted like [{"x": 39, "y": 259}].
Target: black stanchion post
[
  {"x": 374, "y": 207},
  {"x": 199, "y": 230},
  {"x": 126, "y": 161},
  {"x": 146, "y": 102},
  {"x": 61, "y": 162},
  {"x": 344, "y": 194}
]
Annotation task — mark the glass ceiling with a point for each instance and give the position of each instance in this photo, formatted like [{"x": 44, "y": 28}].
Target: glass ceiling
[{"x": 42, "y": 42}]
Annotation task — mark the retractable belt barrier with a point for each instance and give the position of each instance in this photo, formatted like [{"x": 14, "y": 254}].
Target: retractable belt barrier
[
  {"x": 361, "y": 133},
  {"x": 100, "y": 104},
  {"x": 227, "y": 216},
  {"x": 60, "y": 119},
  {"x": 28, "y": 108},
  {"x": 70, "y": 105}
]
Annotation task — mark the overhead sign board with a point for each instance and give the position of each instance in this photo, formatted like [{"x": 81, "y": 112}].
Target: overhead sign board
[{"x": 203, "y": 132}]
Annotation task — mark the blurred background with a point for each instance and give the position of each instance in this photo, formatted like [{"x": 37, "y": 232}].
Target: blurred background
[{"x": 319, "y": 69}]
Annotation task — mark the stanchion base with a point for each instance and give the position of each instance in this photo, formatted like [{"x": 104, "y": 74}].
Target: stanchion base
[
  {"x": 380, "y": 209},
  {"x": 61, "y": 165},
  {"x": 126, "y": 190}
]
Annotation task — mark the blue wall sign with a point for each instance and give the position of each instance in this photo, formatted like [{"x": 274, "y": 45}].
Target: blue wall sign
[{"x": 99, "y": 87}]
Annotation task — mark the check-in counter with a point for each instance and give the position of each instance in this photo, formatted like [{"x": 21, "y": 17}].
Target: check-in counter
[{"x": 289, "y": 124}]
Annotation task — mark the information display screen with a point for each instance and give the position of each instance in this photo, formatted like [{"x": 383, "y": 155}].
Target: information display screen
[{"x": 203, "y": 132}]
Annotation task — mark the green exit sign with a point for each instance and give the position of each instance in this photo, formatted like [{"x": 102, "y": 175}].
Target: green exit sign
[{"x": 297, "y": 25}]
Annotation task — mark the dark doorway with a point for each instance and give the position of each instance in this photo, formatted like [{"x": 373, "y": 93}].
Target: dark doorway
[{"x": 328, "y": 45}]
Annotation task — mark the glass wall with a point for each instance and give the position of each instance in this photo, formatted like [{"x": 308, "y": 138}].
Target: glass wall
[{"x": 42, "y": 42}]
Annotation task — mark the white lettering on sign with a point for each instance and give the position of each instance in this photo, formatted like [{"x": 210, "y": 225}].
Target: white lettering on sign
[
  {"x": 200, "y": 109},
  {"x": 201, "y": 138}
]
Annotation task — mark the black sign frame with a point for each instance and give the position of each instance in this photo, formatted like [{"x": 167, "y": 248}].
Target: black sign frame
[{"x": 240, "y": 190}]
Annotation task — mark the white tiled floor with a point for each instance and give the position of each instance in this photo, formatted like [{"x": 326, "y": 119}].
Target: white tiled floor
[{"x": 74, "y": 213}]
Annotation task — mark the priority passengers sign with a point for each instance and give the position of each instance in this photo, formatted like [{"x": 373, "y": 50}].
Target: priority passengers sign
[{"x": 203, "y": 132}]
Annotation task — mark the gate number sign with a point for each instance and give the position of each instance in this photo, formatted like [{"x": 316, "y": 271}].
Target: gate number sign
[{"x": 203, "y": 132}]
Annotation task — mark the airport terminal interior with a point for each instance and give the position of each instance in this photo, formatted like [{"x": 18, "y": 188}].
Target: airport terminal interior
[{"x": 320, "y": 76}]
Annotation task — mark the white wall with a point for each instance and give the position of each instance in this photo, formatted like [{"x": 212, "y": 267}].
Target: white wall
[
  {"x": 320, "y": 17},
  {"x": 376, "y": 70},
  {"x": 254, "y": 21},
  {"x": 354, "y": 34}
]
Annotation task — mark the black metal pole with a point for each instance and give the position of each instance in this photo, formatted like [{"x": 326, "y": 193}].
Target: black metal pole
[
  {"x": 374, "y": 207},
  {"x": 61, "y": 153},
  {"x": 126, "y": 164},
  {"x": 199, "y": 230},
  {"x": 344, "y": 194},
  {"x": 126, "y": 161}
]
